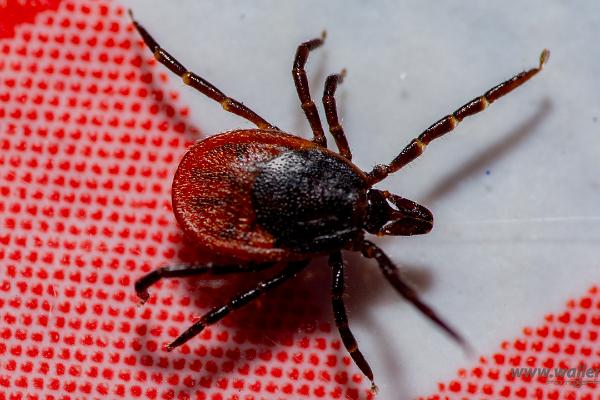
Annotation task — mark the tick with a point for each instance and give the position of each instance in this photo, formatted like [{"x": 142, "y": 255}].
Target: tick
[{"x": 258, "y": 197}]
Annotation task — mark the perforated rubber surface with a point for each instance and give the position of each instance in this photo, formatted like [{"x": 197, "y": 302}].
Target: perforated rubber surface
[
  {"x": 91, "y": 135},
  {"x": 566, "y": 340}
]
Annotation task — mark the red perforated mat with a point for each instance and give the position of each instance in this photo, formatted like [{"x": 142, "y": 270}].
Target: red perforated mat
[
  {"x": 565, "y": 343},
  {"x": 90, "y": 135}
]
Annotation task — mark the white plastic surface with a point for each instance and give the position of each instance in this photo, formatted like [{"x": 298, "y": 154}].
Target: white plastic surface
[{"x": 515, "y": 190}]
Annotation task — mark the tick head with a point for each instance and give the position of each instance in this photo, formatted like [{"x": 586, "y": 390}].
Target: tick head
[{"x": 389, "y": 214}]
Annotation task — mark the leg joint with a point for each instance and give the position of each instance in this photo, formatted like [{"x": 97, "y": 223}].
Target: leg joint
[
  {"x": 368, "y": 249},
  {"x": 226, "y": 104},
  {"x": 187, "y": 77},
  {"x": 336, "y": 129},
  {"x": 378, "y": 173},
  {"x": 307, "y": 105}
]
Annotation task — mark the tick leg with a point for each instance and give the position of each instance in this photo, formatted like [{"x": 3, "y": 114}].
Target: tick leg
[
  {"x": 301, "y": 81},
  {"x": 180, "y": 271},
  {"x": 416, "y": 147},
  {"x": 341, "y": 319},
  {"x": 198, "y": 83},
  {"x": 335, "y": 128},
  {"x": 390, "y": 271},
  {"x": 218, "y": 313}
]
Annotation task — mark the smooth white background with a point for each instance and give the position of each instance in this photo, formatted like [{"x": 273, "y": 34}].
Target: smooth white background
[{"x": 515, "y": 190}]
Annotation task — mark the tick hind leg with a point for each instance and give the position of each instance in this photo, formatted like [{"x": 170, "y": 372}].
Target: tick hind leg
[
  {"x": 416, "y": 147},
  {"x": 390, "y": 272},
  {"x": 243, "y": 298},
  {"x": 335, "y": 128},
  {"x": 301, "y": 81},
  {"x": 341, "y": 319},
  {"x": 181, "y": 271},
  {"x": 198, "y": 83}
]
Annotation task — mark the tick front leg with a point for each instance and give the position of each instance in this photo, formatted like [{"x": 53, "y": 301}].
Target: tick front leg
[
  {"x": 390, "y": 272},
  {"x": 416, "y": 147},
  {"x": 218, "y": 313},
  {"x": 198, "y": 83},
  {"x": 341, "y": 319},
  {"x": 301, "y": 81},
  {"x": 180, "y": 271},
  {"x": 335, "y": 128}
]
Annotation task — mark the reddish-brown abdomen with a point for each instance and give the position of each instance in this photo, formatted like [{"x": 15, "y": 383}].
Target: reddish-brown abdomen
[{"x": 212, "y": 193}]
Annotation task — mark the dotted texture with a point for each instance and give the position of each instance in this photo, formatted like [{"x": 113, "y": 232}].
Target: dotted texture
[
  {"x": 16, "y": 12},
  {"x": 565, "y": 341},
  {"x": 90, "y": 136}
]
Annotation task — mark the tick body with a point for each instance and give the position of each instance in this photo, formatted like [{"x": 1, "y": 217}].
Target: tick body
[
  {"x": 259, "y": 197},
  {"x": 266, "y": 196}
]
